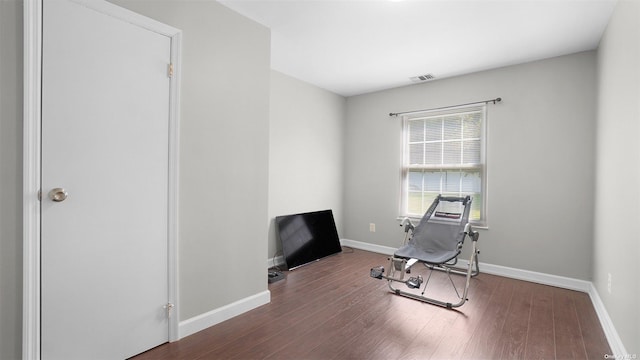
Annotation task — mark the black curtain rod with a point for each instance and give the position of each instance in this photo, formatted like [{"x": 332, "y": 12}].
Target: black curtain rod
[{"x": 496, "y": 100}]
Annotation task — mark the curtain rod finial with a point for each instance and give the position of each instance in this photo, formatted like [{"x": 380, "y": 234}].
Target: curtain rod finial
[{"x": 497, "y": 100}]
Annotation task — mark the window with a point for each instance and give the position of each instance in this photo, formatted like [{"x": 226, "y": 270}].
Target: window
[{"x": 444, "y": 153}]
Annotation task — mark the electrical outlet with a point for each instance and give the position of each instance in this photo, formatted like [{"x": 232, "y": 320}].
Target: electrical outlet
[
  {"x": 372, "y": 227},
  {"x": 609, "y": 282}
]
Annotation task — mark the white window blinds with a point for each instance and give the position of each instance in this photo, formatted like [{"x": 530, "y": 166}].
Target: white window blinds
[{"x": 444, "y": 154}]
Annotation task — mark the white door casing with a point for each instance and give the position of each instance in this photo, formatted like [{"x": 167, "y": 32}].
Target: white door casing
[{"x": 92, "y": 271}]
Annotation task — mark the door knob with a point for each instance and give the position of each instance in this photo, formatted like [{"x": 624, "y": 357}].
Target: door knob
[{"x": 58, "y": 194}]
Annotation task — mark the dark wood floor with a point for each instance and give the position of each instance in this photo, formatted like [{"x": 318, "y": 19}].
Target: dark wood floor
[{"x": 332, "y": 309}]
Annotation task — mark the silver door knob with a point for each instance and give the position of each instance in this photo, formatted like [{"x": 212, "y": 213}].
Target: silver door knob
[{"x": 58, "y": 194}]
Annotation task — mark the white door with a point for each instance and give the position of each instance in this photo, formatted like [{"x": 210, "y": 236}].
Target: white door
[{"x": 105, "y": 119}]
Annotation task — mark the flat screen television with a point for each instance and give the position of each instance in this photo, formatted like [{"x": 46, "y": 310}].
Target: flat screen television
[{"x": 307, "y": 237}]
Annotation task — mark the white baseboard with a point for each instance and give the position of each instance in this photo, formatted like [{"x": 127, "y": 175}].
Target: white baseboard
[
  {"x": 385, "y": 250},
  {"x": 617, "y": 347},
  {"x": 526, "y": 275},
  {"x": 208, "y": 319},
  {"x": 533, "y": 276},
  {"x": 275, "y": 261},
  {"x": 541, "y": 278}
]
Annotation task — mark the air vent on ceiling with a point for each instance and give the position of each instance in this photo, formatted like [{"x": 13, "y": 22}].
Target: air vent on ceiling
[{"x": 421, "y": 78}]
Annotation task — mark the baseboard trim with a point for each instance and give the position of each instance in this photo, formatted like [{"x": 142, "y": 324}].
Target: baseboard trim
[
  {"x": 385, "y": 250},
  {"x": 611, "y": 334},
  {"x": 513, "y": 273},
  {"x": 275, "y": 261},
  {"x": 533, "y": 276},
  {"x": 213, "y": 317},
  {"x": 617, "y": 347}
]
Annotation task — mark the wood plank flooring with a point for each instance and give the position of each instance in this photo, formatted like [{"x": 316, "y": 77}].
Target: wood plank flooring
[{"x": 332, "y": 309}]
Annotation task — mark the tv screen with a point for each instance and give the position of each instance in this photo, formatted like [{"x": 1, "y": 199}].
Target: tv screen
[{"x": 307, "y": 237}]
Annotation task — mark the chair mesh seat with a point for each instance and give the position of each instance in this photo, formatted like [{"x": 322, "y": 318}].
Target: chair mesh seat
[
  {"x": 437, "y": 240},
  {"x": 430, "y": 256}
]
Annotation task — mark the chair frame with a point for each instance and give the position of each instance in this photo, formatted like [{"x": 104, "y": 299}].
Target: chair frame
[{"x": 399, "y": 266}]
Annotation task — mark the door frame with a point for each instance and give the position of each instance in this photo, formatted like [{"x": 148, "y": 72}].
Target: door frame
[{"x": 32, "y": 108}]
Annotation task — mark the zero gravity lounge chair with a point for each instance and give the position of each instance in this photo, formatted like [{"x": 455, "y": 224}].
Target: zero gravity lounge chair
[{"x": 436, "y": 242}]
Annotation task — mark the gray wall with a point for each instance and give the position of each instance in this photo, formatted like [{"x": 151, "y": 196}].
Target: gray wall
[
  {"x": 305, "y": 151},
  {"x": 539, "y": 161},
  {"x": 617, "y": 210},
  {"x": 224, "y": 146},
  {"x": 10, "y": 179}
]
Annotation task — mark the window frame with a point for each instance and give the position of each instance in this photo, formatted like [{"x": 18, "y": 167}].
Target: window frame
[{"x": 482, "y": 166}]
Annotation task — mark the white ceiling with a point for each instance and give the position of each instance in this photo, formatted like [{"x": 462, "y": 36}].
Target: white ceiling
[{"x": 359, "y": 46}]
